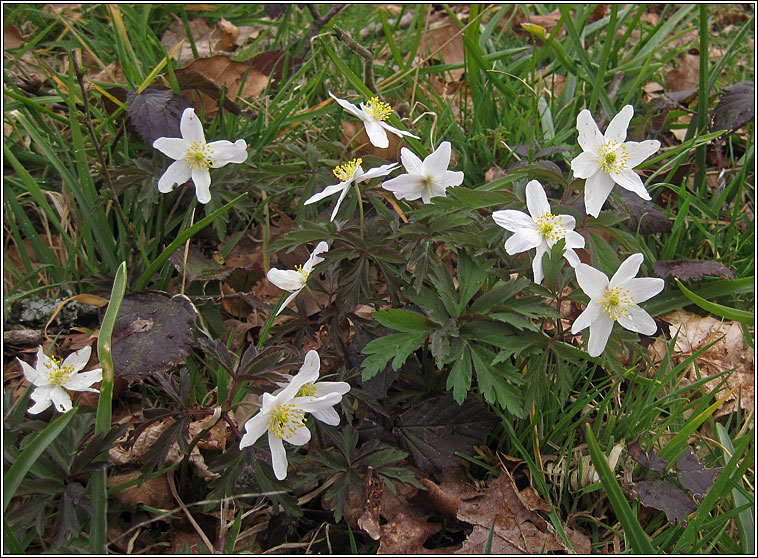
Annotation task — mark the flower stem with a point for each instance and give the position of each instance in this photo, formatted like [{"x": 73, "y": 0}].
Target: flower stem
[
  {"x": 360, "y": 205},
  {"x": 270, "y": 321}
]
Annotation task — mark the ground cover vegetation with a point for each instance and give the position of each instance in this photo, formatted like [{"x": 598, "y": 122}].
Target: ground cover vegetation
[{"x": 487, "y": 270}]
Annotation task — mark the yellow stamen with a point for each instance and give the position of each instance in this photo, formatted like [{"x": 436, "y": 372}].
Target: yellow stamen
[
  {"x": 616, "y": 302},
  {"x": 378, "y": 109},
  {"x": 199, "y": 156},
  {"x": 285, "y": 420},
  {"x": 57, "y": 375},
  {"x": 301, "y": 271},
  {"x": 308, "y": 390},
  {"x": 345, "y": 172},
  {"x": 613, "y": 157},
  {"x": 550, "y": 227}
]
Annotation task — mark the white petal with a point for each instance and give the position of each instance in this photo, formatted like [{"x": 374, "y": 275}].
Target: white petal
[
  {"x": 326, "y": 192},
  {"x": 571, "y": 257},
  {"x": 328, "y": 416},
  {"x": 225, "y": 152},
  {"x": 311, "y": 404},
  {"x": 384, "y": 170},
  {"x": 596, "y": 190},
  {"x": 631, "y": 181},
  {"x": 406, "y": 186},
  {"x": 616, "y": 130},
  {"x": 537, "y": 263},
  {"x": 585, "y": 165},
  {"x": 522, "y": 240},
  {"x": 202, "y": 180},
  {"x": 536, "y": 200},
  {"x": 350, "y": 107},
  {"x": 254, "y": 429},
  {"x": 31, "y": 374},
  {"x": 590, "y": 139},
  {"x": 41, "y": 398},
  {"x": 337, "y": 205},
  {"x": 443, "y": 181},
  {"x": 286, "y": 302},
  {"x": 594, "y": 283},
  {"x": 574, "y": 240},
  {"x": 83, "y": 380},
  {"x": 176, "y": 148},
  {"x": 600, "y": 331},
  {"x": 191, "y": 128},
  {"x": 589, "y": 316},
  {"x": 289, "y": 279},
  {"x": 376, "y": 133},
  {"x": 638, "y": 152},
  {"x": 299, "y": 437},
  {"x": 394, "y": 130},
  {"x": 278, "y": 456},
  {"x": 314, "y": 258},
  {"x": 567, "y": 222},
  {"x": 308, "y": 373},
  {"x": 627, "y": 270},
  {"x": 325, "y": 388},
  {"x": 176, "y": 174},
  {"x": 60, "y": 399},
  {"x": 78, "y": 359},
  {"x": 638, "y": 320},
  {"x": 644, "y": 288},
  {"x": 513, "y": 220},
  {"x": 438, "y": 161},
  {"x": 410, "y": 161}
]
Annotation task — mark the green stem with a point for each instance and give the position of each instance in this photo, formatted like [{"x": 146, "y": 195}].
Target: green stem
[
  {"x": 270, "y": 321},
  {"x": 360, "y": 205}
]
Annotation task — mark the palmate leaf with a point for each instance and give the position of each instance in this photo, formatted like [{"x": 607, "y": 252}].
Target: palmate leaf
[{"x": 397, "y": 347}]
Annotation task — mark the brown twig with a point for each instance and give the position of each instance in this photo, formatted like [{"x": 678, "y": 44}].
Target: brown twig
[
  {"x": 128, "y": 225},
  {"x": 319, "y": 22},
  {"x": 363, "y": 52}
]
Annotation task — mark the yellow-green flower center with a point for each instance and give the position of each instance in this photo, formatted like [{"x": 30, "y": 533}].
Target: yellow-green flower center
[
  {"x": 550, "y": 226},
  {"x": 378, "y": 109},
  {"x": 285, "y": 420},
  {"x": 345, "y": 172},
  {"x": 613, "y": 157},
  {"x": 199, "y": 156},
  {"x": 56, "y": 374},
  {"x": 303, "y": 272},
  {"x": 308, "y": 390},
  {"x": 616, "y": 302}
]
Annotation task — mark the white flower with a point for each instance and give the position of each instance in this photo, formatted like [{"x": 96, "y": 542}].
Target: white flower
[
  {"x": 283, "y": 413},
  {"x": 293, "y": 280},
  {"x": 50, "y": 377},
  {"x": 425, "y": 179},
  {"x": 615, "y": 300},
  {"x": 540, "y": 229},
  {"x": 194, "y": 157},
  {"x": 373, "y": 114},
  {"x": 347, "y": 174},
  {"x": 609, "y": 159}
]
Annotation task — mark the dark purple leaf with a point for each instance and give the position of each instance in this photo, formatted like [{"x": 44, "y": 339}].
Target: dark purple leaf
[
  {"x": 691, "y": 269},
  {"x": 653, "y": 462},
  {"x": 694, "y": 476},
  {"x": 644, "y": 215},
  {"x": 735, "y": 108},
  {"x": 153, "y": 332},
  {"x": 156, "y": 114},
  {"x": 438, "y": 427},
  {"x": 666, "y": 497}
]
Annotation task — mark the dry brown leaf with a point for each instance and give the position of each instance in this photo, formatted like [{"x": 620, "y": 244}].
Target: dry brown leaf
[
  {"x": 493, "y": 173},
  {"x": 223, "y": 37},
  {"x": 11, "y": 37},
  {"x": 694, "y": 332},
  {"x": 686, "y": 75},
  {"x": 369, "y": 518},
  {"x": 152, "y": 492},
  {"x": 354, "y": 134},
  {"x": 406, "y": 535},
  {"x": 445, "y": 35}
]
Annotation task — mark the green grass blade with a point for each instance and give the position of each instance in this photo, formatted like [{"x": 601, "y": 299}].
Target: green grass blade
[
  {"x": 181, "y": 239},
  {"x": 718, "y": 309},
  {"x": 31, "y": 453},
  {"x": 638, "y": 539},
  {"x": 745, "y": 520},
  {"x": 721, "y": 287}
]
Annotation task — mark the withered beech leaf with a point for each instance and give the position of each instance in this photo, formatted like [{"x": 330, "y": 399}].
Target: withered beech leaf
[
  {"x": 664, "y": 496},
  {"x": 155, "y": 113},
  {"x": 691, "y": 269},
  {"x": 438, "y": 427},
  {"x": 694, "y": 476},
  {"x": 198, "y": 267},
  {"x": 405, "y": 534},
  {"x": 644, "y": 215},
  {"x": 735, "y": 108},
  {"x": 652, "y": 462},
  {"x": 153, "y": 332}
]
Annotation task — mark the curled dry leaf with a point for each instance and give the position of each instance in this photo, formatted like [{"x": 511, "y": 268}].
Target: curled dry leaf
[
  {"x": 406, "y": 535},
  {"x": 209, "y": 40},
  {"x": 444, "y": 38},
  {"x": 728, "y": 352}
]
